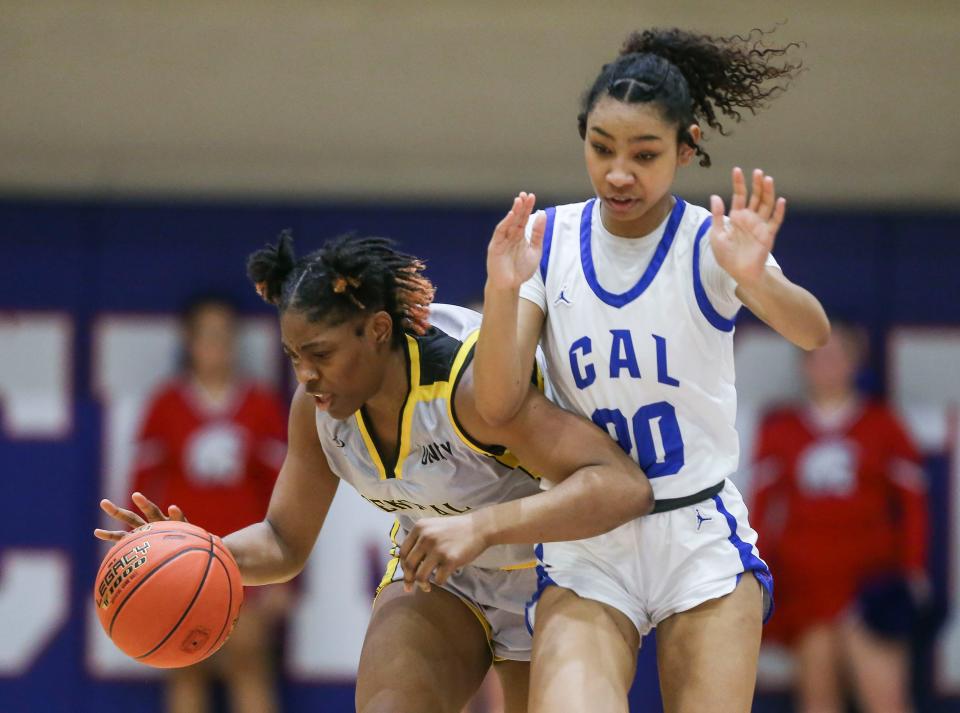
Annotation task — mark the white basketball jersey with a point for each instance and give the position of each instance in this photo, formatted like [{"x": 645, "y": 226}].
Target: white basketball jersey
[
  {"x": 437, "y": 468},
  {"x": 652, "y": 364}
]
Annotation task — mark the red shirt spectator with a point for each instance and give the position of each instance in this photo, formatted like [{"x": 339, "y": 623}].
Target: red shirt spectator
[
  {"x": 217, "y": 461},
  {"x": 212, "y": 444},
  {"x": 838, "y": 504}
]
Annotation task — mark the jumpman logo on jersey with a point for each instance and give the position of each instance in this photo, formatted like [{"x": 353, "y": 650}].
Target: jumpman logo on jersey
[
  {"x": 701, "y": 519},
  {"x": 340, "y": 443},
  {"x": 562, "y": 298}
]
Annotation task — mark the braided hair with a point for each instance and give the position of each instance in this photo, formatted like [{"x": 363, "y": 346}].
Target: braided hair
[
  {"x": 347, "y": 277},
  {"x": 693, "y": 78}
]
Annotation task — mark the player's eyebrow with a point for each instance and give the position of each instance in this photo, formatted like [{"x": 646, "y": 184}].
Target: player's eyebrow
[
  {"x": 632, "y": 139},
  {"x": 318, "y": 342}
]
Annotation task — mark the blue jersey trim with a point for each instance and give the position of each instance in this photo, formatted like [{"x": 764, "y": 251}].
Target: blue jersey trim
[
  {"x": 663, "y": 247},
  {"x": 713, "y": 317},
  {"x": 544, "y": 580},
  {"x": 547, "y": 242},
  {"x": 751, "y": 563}
]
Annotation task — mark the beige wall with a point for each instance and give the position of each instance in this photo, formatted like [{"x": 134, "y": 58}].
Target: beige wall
[{"x": 446, "y": 100}]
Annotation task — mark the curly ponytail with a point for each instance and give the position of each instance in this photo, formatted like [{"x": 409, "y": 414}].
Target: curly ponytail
[{"x": 693, "y": 77}]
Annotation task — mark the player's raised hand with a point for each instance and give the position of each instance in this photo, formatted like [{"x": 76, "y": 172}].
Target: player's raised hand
[
  {"x": 742, "y": 244},
  {"x": 438, "y": 546},
  {"x": 511, "y": 259},
  {"x": 150, "y": 511}
]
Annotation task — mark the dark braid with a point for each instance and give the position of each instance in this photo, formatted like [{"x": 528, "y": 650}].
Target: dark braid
[
  {"x": 348, "y": 276},
  {"x": 693, "y": 78}
]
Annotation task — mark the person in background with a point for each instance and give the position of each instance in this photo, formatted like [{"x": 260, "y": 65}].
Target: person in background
[
  {"x": 840, "y": 505},
  {"x": 213, "y": 442}
]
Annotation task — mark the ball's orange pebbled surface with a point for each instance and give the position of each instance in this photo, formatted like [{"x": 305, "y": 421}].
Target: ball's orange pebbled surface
[{"x": 168, "y": 594}]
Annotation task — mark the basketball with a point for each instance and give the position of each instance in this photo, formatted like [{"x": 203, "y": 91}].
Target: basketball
[{"x": 168, "y": 594}]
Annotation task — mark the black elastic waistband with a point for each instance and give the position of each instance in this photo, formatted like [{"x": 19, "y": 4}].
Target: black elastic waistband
[{"x": 668, "y": 504}]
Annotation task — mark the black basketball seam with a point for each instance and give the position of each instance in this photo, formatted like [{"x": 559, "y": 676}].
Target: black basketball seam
[
  {"x": 189, "y": 606},
  {"x": 229, "y": 605},
  {"x": 139, "y": 584},
  {"x": 146, "y": 533},
  {"x": 218, "y": 545}
]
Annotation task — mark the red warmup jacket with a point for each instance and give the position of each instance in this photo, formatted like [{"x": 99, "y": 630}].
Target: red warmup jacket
[
  {"x": 219, "y": 465},
  {"x": 835, "y": 508}
]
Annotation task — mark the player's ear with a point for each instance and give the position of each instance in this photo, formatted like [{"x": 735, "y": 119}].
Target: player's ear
[
  {"x": 686, "y": 152},
  {"x": 381, "y": 327}
]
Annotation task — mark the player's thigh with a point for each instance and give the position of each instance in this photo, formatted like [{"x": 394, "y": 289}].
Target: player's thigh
[
  {"x": 424, "y": 652},
  {"x": 515, "y": 681},
  {"x": 707, "y": 656},
  {"x": 819, "y": 670},
  {"x": 584, "y": 655},
  {"x": 879, "y": 667}
]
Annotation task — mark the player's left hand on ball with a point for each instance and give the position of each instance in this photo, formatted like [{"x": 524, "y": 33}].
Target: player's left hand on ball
[
  {"x": 150, "y": 511},
  {"x": 438, "y": 546}
]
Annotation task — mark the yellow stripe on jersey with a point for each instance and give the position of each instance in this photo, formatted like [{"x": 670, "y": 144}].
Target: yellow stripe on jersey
[
  {"x": 406, "y": 418},
  {"x": 458, "y": 363},
  {"x": 395, "y": 550},
  {"x": 371, "y": 448},
  {"x": 415, "y": 393},
  {"x": 393, "y": 563},
  {"x": 387, "y": 577},
  {"x": 430, "y": 392},
  {"x": 523, "y": 565},
  {"x": 481, "y": 617},
  {"x": 418, "y": 393},
  {"x": 506, "y": 458}
]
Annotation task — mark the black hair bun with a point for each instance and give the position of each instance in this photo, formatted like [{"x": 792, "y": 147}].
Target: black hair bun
[{"x": 269, "y": 267}]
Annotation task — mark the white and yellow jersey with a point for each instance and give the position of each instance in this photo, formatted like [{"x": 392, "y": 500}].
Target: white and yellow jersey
[{"x": 437, "y": 469}]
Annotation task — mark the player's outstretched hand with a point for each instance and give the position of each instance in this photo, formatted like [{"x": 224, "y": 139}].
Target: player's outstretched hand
[
  {"x": 742, "y": 244},
  {"x": 150, "y": 511},
  {"x": 511, "y": 259},
  {"x": 437, "y": 547}
]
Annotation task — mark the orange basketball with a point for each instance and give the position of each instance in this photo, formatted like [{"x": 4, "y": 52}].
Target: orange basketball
[{"x": 168, "y": 594}]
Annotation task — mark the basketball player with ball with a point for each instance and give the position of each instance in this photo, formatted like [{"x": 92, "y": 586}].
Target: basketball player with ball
[{"x": 386, "y": 403}]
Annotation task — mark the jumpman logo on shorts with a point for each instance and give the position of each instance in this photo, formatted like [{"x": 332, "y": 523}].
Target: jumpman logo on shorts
[{"x": 701, "y": 519}]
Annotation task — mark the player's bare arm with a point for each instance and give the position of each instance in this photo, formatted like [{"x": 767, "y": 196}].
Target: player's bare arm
[
  {"x": 511, "y": 326},
  {"x": 597, "y": 488},
  {"x": 741, "y": 245},
  {"x": 276, "y": 549}
]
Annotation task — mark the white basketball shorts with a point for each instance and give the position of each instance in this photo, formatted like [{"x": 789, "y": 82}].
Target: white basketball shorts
[
  {"x": 496, "y": 597},
  {"x": 660, "y": 564}
]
